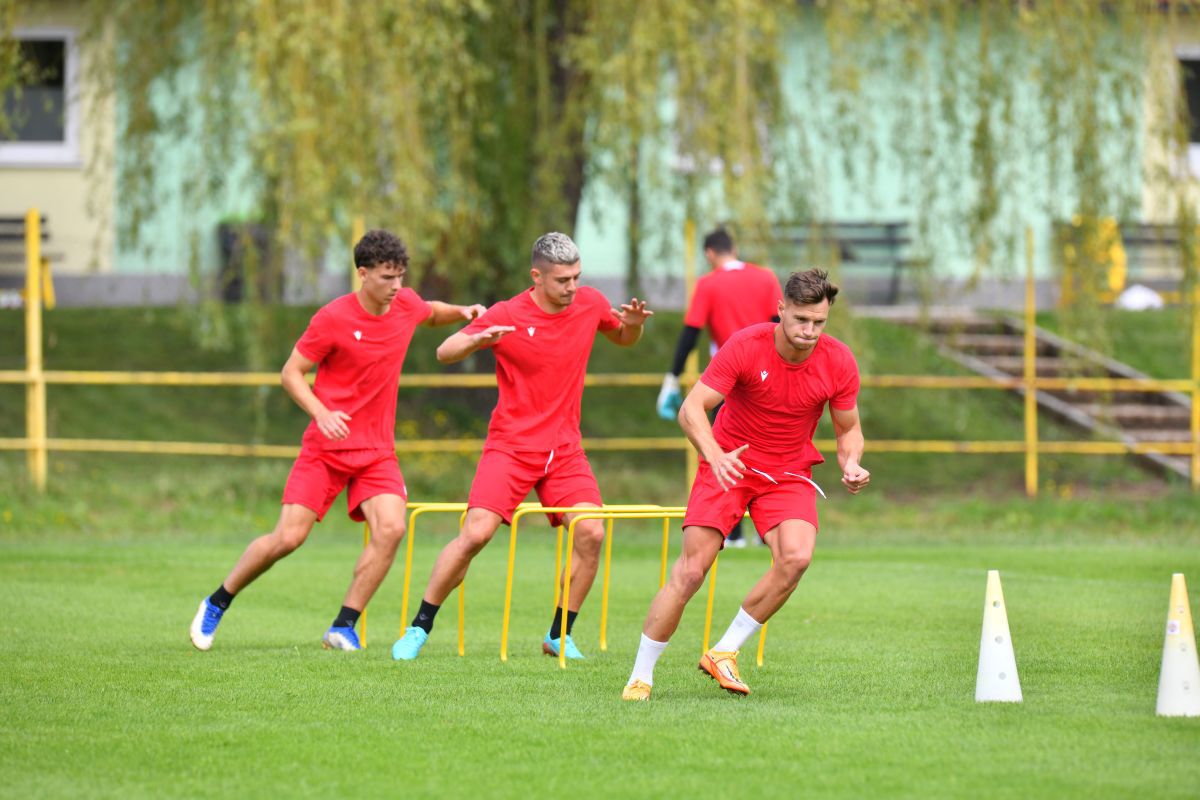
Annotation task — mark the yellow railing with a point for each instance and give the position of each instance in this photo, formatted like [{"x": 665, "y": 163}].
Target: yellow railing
[{"x": 38, "y": 444}]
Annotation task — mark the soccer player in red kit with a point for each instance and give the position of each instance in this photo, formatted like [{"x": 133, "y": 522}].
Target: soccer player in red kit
[
  {"x": 541, "y": 339},
  {"x": 358, "y": 341},
  {"x": 735, "y": 294},
  {"x": 775, "y": 380}
]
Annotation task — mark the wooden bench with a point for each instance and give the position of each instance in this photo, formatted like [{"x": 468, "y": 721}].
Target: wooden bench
[
  {"x": 869, "y": 246},
  {"x": 12, "y": 257}
]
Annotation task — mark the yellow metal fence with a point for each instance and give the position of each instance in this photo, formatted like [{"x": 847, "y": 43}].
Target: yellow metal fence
[{"x": 37, "y": 443}]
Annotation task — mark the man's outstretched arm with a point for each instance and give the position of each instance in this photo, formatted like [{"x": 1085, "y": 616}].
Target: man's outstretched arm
[{"x": 850, "y": 447}]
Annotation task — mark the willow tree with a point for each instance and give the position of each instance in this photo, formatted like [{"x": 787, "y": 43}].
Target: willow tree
[{"x": 470, "y": 126}]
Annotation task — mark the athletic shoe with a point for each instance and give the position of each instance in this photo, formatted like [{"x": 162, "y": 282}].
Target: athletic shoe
[
  {"x": 636, "y": 691},
  {"x": 736, "y": 544},
  {"x": 722, "y": 667},
  {"x": 550, "y": 648},
  {"x": 204, "y": 624},
  {"x": 408, "y": 645},
  {"x": 340, "y": 639}
]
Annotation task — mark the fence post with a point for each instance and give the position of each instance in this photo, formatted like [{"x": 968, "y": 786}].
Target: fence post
[
  {"x": 1194, "y": 472},
  {"x": 35, "y": 386},
  {"x": 1031, "y": 430}
]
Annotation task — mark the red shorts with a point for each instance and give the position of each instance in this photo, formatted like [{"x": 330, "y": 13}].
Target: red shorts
[
  {"x": 503, "y": 480},
  {"x": 772, "y": 499},
  {"x": 318, "y": 476}
]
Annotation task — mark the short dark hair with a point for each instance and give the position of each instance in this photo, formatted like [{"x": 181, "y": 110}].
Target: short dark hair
[
  {"x": 719, "y": 241},
  {"x": 380, "y": 247},
  {"x": 809, "y": 287}
]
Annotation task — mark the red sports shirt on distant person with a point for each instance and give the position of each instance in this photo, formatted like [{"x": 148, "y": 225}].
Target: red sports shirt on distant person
[
  {"x": 359, "y": 357},
  {"x": 731, "y": 297},
  {"x": 540, "y": 369},
  {"x": 773, "y": 405}
]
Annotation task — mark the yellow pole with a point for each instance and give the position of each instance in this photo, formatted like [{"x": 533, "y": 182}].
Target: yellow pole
[
  {"x": 357, "y": 228},
  {"x": 762, "y": 634},
  {"x": 1030, "y": 374},
  {"x": 691, "y": 366},
  {"x": 362, "y": 620},
  {"x": 604, "y": 593},
  {"x": 462, "y": 617},
  {"x": 566, "y": 597},
  {"x": 666, "y": 546},
  {"x": 712, "y": 590},
  {"x": 1195, "y": 470},
  {"x": 408, "y": 555},
  {"x": 35, "y": 387},
  {"x": 558, "y": 563},
  {"x": 508, "y": 583}
]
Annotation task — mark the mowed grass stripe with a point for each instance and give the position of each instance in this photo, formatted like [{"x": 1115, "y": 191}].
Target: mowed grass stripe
[{"x": 867, "y": 688}]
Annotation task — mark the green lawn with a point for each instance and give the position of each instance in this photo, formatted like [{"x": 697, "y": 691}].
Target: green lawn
[
  {"x": 867, "y": 688},
  {"x": 868, "y": 684}
]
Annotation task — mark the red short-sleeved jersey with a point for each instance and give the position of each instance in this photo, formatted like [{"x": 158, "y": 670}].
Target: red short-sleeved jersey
[
  {"x": 731, "y": 297},
  {"x": 773, "y": 405},
  {"x": 540, "y": 368},
  {"x": 359, "y": 357}
]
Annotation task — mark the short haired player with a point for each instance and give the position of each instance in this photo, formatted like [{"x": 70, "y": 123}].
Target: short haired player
[
  {"x": 357, "y": 343},
  {"x": 541, "y": 339},
  {"x": 775, "y": 380}
]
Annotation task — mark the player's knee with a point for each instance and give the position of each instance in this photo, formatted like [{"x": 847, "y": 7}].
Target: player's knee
[
  {"x": 474, "y": 537},
  {"x": 792, "y": 567},
  {"x": 389, "y": 533},
  {"x": 288, "y": 538},
  {"x": 589, "y": 535},
  {"x": 688, "y": 577}
]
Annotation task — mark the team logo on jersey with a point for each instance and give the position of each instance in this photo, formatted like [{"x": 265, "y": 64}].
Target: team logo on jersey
[
  {"x": 531, "y": 329},
  {"x": 358, "y": 335},
  {"x": 762, "y": 376}
]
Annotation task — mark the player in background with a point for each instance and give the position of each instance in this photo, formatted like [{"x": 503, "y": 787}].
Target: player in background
[
  {"x": 735, "y": 294},
  {"x": 359, "y": 342},
  {"x": 541, "y": 339},
  {"x": 775, "y": 381}
]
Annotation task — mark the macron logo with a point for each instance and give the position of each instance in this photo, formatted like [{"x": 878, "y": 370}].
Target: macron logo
[
  {"x": 762, "y": 376},
  {"x": 358, "y": 335},
  {"x": 531, "y": 330}
]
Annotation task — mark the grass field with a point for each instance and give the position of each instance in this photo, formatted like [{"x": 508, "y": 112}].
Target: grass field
[
  {"x": 868, "y": 684},
  {"x": 867, "y": 688}
]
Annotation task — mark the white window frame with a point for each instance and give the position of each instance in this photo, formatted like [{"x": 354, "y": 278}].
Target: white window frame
[
  {"x": 1190, "y": 52},
  {"x": 52, "y": 154}
]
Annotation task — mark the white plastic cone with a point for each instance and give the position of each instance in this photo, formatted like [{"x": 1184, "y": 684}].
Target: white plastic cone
[
  {"x": 1179, "y": 680},
  {"x": 997, "y": 680}
]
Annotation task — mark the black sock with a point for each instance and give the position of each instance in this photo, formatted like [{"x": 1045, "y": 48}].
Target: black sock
[
  {"x": 346, "y": 618},
  {"x": 425, "y": 615},
  {"x": 556, "y": 627},
  {"x": 221, "y": 598}
]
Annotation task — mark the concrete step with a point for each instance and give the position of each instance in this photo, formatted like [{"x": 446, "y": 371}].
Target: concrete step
[
  {"x": 984, "y": 344},
  {"x": 1045, "y": 366},
  {"x": 1139, "y": 415},
  {"x": 1160, "y": 435}
]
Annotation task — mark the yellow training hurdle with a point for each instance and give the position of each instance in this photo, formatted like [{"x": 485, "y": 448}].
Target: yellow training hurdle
[{"x": 562, "y": 572}]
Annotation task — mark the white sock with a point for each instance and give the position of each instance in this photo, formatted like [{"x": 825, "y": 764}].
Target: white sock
[
  {"x": 742, "y": 628},
  {"x": 647, "y": 656}
]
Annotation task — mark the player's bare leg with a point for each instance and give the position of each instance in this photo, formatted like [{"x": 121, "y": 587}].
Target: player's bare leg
[
  {"x": 295, "y": 523},
  {"x": 451, "y": 566},
  {"x": 585, "y": 562},
  {"x": 700, "y": 549},
  {"x": 386, "y": 516},
  {"x": 791, "y": 544}
]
